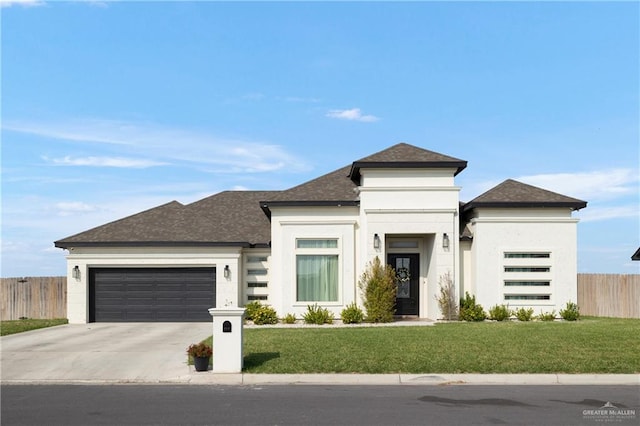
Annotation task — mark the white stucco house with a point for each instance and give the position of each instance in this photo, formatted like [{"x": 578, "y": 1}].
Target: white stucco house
[{"x": 515, "y": 244}]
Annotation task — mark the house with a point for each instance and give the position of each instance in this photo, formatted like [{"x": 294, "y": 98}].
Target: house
[{"x": 515, "y": 244}]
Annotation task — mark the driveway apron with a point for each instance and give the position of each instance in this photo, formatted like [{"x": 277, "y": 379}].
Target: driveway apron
[{"x": 110, "y": 352}]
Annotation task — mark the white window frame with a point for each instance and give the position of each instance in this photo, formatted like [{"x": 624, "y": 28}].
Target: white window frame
[{"x": 334, "y": 251}]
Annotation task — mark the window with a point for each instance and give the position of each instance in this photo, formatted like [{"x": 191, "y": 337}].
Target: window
[
  {"x": 403, "y": 244},
  {"x": 527, "y": 269},
  {"x": 527, "y": 297},
  {"x": 256, "y": 259},
  {"x": 312, "y": 244},
  {"x": 522, "y": 255},
  {"x": 317, "y": 270},
  {"x": 528, "y": 283},
  {"x": 256, "y": 297},
  {"x": 257, "y": 272},
  {"x": 257, "y": 284}
]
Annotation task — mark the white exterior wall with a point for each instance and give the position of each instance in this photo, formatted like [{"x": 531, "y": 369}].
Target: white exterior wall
[
  {"x": 496, "y": 231},
  {"x": 413, "y": 203},
  {"x": 289, "y": 224},
  {"x": 467, "y": 282},
  {"x": 227, "y": 289}
]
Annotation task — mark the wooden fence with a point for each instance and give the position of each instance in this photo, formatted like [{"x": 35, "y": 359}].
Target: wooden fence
[
  {"x": 609, "y": 295},
  {"x": 33, "y": 297},
  {"x": 604, "y": 295}
]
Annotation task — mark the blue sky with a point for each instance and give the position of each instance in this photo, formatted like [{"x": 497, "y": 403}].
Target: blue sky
[{"x": 110, "y": 108}]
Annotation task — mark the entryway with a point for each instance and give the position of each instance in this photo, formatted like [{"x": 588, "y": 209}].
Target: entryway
[{"x": 407, "y": 267}]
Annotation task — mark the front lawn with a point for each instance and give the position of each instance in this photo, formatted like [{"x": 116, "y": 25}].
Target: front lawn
[
  {"x": 18, "y": 326},
  {"x": 591, "y": 345}
]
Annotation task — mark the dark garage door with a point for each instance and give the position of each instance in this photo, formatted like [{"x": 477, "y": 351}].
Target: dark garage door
[{"x": 151, "y": 294}]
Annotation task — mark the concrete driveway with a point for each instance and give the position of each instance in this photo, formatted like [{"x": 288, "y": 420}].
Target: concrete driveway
[{"x": 101, "y": 352}]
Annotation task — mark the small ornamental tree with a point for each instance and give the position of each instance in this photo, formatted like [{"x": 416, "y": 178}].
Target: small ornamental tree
[
  {"x": 378, "y": 286},
  {"x": 447, "y": 300}
]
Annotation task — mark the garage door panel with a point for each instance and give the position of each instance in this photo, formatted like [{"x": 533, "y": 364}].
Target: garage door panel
[{"x": 151, "y": 294}]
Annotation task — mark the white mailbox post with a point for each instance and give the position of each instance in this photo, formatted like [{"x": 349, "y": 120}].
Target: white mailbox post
[{"x": 227, "y": 339}]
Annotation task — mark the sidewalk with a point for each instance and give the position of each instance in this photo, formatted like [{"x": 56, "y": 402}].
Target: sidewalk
[
  {"x": 414, "y": 379},
  {"x": 242, "y": 379}
]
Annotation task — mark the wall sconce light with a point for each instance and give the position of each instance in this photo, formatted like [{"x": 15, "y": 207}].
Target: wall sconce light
[
  {"x": 376, "y": 241},
  {"x": 445, "y": 240},
  {"x": 75, "y": 272},
  {"x": 227, "y": 271}
]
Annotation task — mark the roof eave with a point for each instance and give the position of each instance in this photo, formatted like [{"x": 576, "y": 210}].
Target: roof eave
[
  {"x": 242, "y": 244},
  {"x": 354, "y": 174},
  {"x": 573, "y": 205}
]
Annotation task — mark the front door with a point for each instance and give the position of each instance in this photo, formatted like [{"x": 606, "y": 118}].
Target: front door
[{"x": 407, "y": 267}]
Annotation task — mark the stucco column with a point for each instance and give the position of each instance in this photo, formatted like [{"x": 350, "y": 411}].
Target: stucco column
[{"x": 227, "y": 339}]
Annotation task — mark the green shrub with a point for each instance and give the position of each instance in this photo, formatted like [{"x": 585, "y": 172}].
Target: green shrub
[
  {"x": 265, "y": 315},
  {"x": 547, "y": 316},
  {"x": 524, "y": 314},
  {"x": 317, "y": 315},
  {"x": 470, "y": 310},
  {"x": 499, "y": 313},
  {"x": 447, "y": 298},
  {"x": 250, "y": 309},
  {"x": 378, "y": 286},
  {"x": 571, "y": 312},
  {"x": 352, "y": 314},
  {"x": 289, "y": 319}
]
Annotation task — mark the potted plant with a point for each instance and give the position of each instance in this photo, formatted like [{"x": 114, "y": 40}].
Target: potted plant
[{"x": 201, "y": 354}]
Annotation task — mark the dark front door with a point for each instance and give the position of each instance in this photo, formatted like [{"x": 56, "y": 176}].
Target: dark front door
[{"x": 407, "y": 267}]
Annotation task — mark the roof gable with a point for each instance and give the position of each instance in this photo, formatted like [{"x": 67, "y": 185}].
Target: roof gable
[
  {"x": 514, "y": 194},
  {"x": 403, "y": 155}
]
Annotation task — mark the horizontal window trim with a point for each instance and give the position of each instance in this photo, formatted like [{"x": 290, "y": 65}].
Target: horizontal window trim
[
  {"x": 527, "y": 297},
  {"x": 527, "y": 255},
  {"x": 527, "y": 269},
  {"x": 252, "y": 297},
  {"x": 526, "y": 283}
]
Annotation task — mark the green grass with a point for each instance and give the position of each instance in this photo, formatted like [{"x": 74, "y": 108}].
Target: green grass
[
  {"x": 18, "y": 326},
  {"x": 592, "y": 345}
]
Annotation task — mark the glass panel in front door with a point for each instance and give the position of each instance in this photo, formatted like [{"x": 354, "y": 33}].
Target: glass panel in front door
[{"x": 403, "y": 277}]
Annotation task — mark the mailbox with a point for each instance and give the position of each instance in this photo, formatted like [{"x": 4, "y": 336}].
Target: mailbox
[{"x": 227, "y": 339}]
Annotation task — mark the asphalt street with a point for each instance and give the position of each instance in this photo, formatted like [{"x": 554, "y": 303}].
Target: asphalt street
[{"x": 71, "y": 405}]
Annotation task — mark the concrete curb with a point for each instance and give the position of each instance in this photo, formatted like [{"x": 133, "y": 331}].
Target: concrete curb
[{"x": 238, "y": 379}]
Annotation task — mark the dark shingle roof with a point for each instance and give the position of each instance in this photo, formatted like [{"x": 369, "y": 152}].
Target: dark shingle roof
[
  {"x": 636, "y": 255},
  {"x": 331, "y": 189},
  {"x": 340, "y": 186},
  {"x": 403, "y": 155},
  {"x": 511, "y": 193},
  {"x": 231, "y": 218}
]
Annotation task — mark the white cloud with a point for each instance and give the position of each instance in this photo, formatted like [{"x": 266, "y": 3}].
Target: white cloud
[
  {"x": 253, "y": 96},
  {"x": 354, "y": 114},
  {"x": 73, "y": 207},
  {"x": 300, "y": 99},
  {"x": 24, "y": 3},
  {"x": 599, "y": 213},
  {"x": 105, "y": 162},
  {"x": 589, "y": 186},
  {"x": 151, "y": 140}
]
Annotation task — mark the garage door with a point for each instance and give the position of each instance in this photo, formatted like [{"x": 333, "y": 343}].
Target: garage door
[{"x": 151, "y": 294}]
